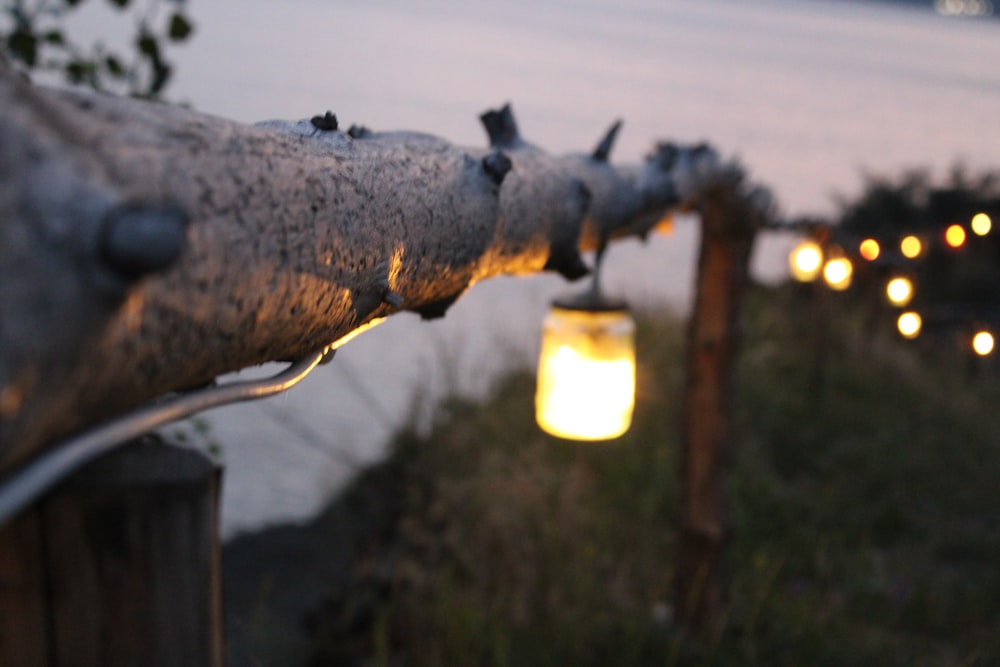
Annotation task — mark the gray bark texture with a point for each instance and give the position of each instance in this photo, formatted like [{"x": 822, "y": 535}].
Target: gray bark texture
[{"x": 146, "y": 249}]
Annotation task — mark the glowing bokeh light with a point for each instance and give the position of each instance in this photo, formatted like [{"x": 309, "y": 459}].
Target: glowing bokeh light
[
  {"x": 909, "y": 324},
  {"x": 806, "y": 261},
  {"x": 982, "y": 343},
  {"x": 911, "y": 247},
  {"x": 981, "y": 224},
  {"x": 900, "y": 291},
  {"x": 837, "y": 273},
  {"x": 955, "y": 236},
  {"x": 869, "y": 249}
]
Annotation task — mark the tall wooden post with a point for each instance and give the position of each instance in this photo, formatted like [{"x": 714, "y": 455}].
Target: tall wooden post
[
  {"x": 728, "y": 227},
  {"x": 119, "y": 566}
]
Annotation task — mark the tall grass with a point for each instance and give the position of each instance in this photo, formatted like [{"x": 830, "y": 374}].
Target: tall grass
[{"x": 864, "y": 512}]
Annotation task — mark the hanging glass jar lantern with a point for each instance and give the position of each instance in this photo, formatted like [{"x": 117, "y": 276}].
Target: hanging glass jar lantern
[{"x": 586, "y": 369}]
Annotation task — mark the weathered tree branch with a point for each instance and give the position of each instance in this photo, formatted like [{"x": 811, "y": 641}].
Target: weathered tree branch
[{"x": 146, "y": 248}]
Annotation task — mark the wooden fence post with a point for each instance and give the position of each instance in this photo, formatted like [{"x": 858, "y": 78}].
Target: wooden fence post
[
  {"x": 119, "y": 566},
  {"x": 728, "y": 228}
]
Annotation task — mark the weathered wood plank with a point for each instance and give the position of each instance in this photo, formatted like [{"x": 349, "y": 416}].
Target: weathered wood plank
[
  {"x": 130, "y": 572},
  {"x": 23, "y": 594},
  {"x": 729, "y": 225}
]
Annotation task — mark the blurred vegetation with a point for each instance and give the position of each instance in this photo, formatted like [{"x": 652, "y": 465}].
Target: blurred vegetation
[
  {"x": 36, "y": 35},
  {"x": 865, "y": 516}
]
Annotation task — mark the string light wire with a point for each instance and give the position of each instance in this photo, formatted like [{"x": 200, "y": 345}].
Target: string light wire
[{"x": 30, "y": 482}]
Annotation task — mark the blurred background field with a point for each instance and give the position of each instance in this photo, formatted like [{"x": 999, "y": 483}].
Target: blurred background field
[
  {"x": 865, "y": 517},
  {"x": 862, "y": 494}
]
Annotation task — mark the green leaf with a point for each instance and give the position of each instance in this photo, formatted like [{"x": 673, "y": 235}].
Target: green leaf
[
  {"x": 54, "y": 37},
  {"x": 72, "y": 3},
  {"x": 180, "y": 28},
  {"x": 120, "y": 4},
  {"x": 23, "y": 45},
  {"x": 77, "y": 71},
  {"x": 147, "y": 45},
  {"x": 114, "y": 66}
]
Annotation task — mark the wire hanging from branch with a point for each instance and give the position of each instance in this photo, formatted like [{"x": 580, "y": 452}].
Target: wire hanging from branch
[{"x": 29, "y": 483}]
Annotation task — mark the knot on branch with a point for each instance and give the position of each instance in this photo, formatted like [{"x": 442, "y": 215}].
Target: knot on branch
[
  {"x": 501, "y": 128},
  {"x": 702, "y": 179},
  {"x": 325, "y": 123},
  {"x": 138, "y": 239},
  {"x": 497, "y": 165},
  {"x": 564, "y": 257},
  {"x": 663, "y": 155},
  {"x": 358, "y": 132},
  {"x": 603, "y": 150}
]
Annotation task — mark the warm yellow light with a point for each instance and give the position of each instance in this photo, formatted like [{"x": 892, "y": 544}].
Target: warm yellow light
[
  {"x": 869, "y": 249},
  {"x": 911, "y": 247},
  {"x": 343, "y": 340},
  {"x": 954, "y": 236},
  {"x": 665, "y": 225},
  {"x": 909, "y": 324},
  {"x": 982, "y": 343},
  {"x": 899, "y": 291},
  {"x": 806, "y": 261},
  {"x": 981, "y": 224},
  {"x": 586, "y": 374},
  {"x": 837, "y": 273}
]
